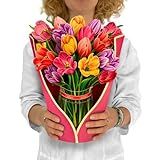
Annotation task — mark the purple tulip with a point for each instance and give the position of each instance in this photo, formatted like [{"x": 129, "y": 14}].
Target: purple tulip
[
  {"x": 108, "y": 60},
  {"x": 56, "y": 34},
  {"x": 95, "y": 25},
  {"x": 66, "y": 29},
  {"x": 63, "y": 29},
  {"x": 52, "y": 75}
]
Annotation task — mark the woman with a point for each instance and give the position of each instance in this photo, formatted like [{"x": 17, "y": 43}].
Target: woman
[{"x": 124, "y": 98}]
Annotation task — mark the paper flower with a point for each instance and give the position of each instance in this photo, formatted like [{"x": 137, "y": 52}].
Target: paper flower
[
  {"x": 77, "y": 23},
  {"x": 84, "y": 47},
  {"x": 106, "y": 76},
  {"x": 65, "y": 63},
  {"x": 42, "y": 32},
  {"x": 102, "y": 41},
  {"x": 58, "y": 21},
  {"x": 52, "y": 75},
  {"x": 43, "y": 59},
  {"x": 108, "y": 60},
  {"x": 95, "y": 25},
  {"x": 89, "y": 66},
  {"x": 57, "y": 34},
  {"x": 68, "y": 44},
  {"x": 112, "y": 30},
  {"x": 85, "y": 32},
  {"x": 40, "y": 45}
]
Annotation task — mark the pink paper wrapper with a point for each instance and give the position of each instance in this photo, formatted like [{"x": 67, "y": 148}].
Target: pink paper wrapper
[{"x": 101, "y": 95}]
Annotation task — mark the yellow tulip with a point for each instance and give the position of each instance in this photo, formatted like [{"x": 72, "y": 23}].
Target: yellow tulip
[
  {"x": 77, "y": 23},
  {"x": 89, "y": 66},
  {"x": 69, "y": 44},
  {"x": 40, "y": 45}
]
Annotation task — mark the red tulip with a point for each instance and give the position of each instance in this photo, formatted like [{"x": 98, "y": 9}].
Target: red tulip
[
  {"x": 84, "y": 47},
  {"x": 106, "y": 76},
  {"x": 112, "y": 30},
  {"x": 102, "y": 41},
  {"x": 43, "y": 59}
]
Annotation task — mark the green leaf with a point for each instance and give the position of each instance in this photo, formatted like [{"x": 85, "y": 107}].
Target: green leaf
[
  {"x": 84, "y": 83},
  {"x": 70, "y": 81},
  {"x": 76, "y": 78}
]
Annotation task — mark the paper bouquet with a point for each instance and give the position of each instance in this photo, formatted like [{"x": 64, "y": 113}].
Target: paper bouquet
[{"x": 76, "y": 64}]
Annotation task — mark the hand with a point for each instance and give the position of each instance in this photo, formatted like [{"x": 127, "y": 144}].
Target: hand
[
  {"x": 51, "y": 124},
  {"x": 102, "y": 122}
]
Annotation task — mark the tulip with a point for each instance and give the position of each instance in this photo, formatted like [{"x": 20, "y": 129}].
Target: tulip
[
  {"x": 84, "y": 47},
  {"x": 112, "y": 30},
  {"x": 108, "y": 60},
  {"x": 65, "y": 63},
  {"x": 57, "y": 34},
  {"x": 89, "y": 66},
  {"x": 102, "y": 41},
  {"x": 43, "y": 58},
  {"x": 63, "y": 29},
  {"x": 106, "y": 76},
  {"x": 42, "y": 32},
  {"x": 52, "y": 75},
  {"x": 95, "y": 26},
  {"x": 40, "y": 45},
  {"x": 85, "y": 32},
  {"x": 68, "y": 44},
  {"x": 58, "y": 21},
  {"x": 77, "y": 23}
]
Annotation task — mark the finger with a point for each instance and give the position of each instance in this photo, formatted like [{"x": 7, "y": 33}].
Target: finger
[
  {"x": 55, "y": 132},
  {"x": 97, "y": 116},
  {"x": 54, "y": 125},
  {"x": 97, "y": 123},
  {"x": 53, "y": 136},
  {"x": 97, "y": 130},
  {"x": 52, "y": 116},
  {"x": 98, "y": 136}
]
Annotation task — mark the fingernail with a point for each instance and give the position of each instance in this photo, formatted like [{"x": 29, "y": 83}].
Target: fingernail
[
  {"x": 94, "y": 138},
  {"x": 61, "y": 134},
  {"x": 92, "y": 117},
  {"x": 87, "y": 125},
  {"x": 56, "y": 138},
  {"x": 57, "y": 120},
  {"x": 61, "y": 128},
  {"x": 88, "y": 131}
]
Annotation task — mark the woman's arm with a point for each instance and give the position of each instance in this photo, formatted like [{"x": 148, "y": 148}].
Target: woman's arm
[
  {"x": 127, "y": 95},
  {"x": 32, "y": 99}
]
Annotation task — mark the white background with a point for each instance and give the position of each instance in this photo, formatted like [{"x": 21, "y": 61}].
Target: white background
[{"x": 141, "y": 26}]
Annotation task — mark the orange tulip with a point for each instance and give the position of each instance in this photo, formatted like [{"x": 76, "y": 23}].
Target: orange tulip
[
  {"x": 89, "y": 66},
  {"x": 69, "y": 44},
  {"x": 77, "y": 23},
  {"x": 84, "y": 47}
]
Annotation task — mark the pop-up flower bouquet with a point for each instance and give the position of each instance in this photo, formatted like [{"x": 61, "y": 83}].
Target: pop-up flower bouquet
[{"x": 77, "y": 64}]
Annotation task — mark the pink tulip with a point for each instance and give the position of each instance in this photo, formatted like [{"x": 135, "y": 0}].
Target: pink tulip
[
  {"x": 102, "y": 41},
  {"x": 65, "y": 63},
  {"x": 84, "y": 47},
  {"x": 85, "y": 32},
  {"x": 58, "y": 21},
  {"x": 42, "y": 32},
  {"x": 106, "y": 76}
]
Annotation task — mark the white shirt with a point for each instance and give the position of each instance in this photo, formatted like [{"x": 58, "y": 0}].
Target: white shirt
[{"x": 124, "y": 92}]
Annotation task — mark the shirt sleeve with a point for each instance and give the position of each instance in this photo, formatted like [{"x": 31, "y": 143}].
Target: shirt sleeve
[
  {"x": 31, "y": 92},
  {"x": 127, "y": 86}
]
